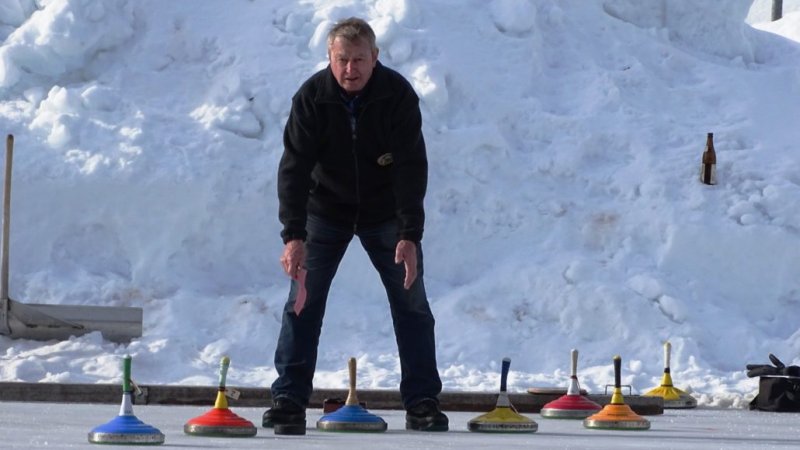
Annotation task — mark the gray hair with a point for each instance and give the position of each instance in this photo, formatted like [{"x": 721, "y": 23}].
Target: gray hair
[{"x": 352, "y": 30}]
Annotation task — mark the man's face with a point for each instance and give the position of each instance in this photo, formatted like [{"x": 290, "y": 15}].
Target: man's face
[{"x": 352, "y": 63}]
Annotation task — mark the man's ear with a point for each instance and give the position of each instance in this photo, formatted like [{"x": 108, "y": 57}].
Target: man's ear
[{"x": 375, "y": 57}]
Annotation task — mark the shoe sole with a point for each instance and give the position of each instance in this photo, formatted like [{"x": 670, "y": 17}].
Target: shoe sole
[
  {"x": 291, "y": 420},
  {"x": 293, "y": 429},
  {"x": 427, "y": 427}
]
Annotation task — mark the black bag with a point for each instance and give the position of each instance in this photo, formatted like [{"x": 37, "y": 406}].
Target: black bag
[{"x": 777, "y": 393}]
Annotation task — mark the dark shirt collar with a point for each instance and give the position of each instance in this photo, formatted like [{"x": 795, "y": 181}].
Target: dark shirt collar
[{"x": 350, "y": 101}]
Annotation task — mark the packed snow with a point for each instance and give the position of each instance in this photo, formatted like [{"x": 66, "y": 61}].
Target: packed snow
[{"x": 564, "y": 207}]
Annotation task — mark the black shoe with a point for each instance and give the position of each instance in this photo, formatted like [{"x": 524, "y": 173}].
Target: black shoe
[
  {"x": 425, "y": 415},
  {"x": 285, "y": 416}
]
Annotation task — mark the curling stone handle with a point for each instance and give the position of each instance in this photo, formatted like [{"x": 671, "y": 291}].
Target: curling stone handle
[
  {"x": 352, "y": 398},
  {"x": 504, "y": 373},
  {"x": 574, "y": 366},
  {"x": 224, "y": 363},
  {"x": 667, "y": 350},
  {"x": 617, "y": 372},
  {"x": 126, "y": 374}
]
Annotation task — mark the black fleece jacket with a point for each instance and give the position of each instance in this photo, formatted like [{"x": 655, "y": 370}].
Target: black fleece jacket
[{"x": 356, "y": 169}]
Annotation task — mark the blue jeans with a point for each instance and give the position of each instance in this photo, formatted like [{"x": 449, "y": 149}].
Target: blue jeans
[{"x": 296, "y": 353}]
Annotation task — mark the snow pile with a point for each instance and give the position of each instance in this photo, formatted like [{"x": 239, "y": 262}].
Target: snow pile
[{"x": 564, "y": 208}]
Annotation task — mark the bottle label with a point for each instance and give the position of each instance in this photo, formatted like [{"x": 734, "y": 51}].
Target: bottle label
[{"x": 708, "y": 173}]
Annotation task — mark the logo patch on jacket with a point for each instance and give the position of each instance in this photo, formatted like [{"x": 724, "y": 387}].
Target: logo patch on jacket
[{"x": 385, "y": 159}]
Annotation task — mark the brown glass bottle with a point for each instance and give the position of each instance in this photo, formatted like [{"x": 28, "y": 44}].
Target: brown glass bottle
[{"x": 708, "y": 169}]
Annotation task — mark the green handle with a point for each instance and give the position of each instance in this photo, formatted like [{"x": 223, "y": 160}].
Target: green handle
[
  {"x": 126, "y": 374},
  {"x": 224, "y": 363}
]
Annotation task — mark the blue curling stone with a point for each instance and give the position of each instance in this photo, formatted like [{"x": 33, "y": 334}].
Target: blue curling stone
[
  {"x": 351, "y": 418},
  {"x": 126, "y": 430}
]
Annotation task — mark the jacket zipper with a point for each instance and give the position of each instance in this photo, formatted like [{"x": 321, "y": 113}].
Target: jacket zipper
[{"x": 354, "y": 136}]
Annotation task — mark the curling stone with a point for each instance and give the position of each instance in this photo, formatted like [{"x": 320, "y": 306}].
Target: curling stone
[
  {"x": 503, "y": 418},
  {"x": 220, "y": 421},
  {"x": 674, "y": 398},
  {"x": 616, "y": 415},
  {"x": 352, "y": 416},
  {"x": 126, "y": 428},
  {"x": 572, "y": 405}
]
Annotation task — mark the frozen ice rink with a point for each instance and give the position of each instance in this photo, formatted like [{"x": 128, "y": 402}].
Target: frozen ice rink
[{"x": 61, "y": 425}]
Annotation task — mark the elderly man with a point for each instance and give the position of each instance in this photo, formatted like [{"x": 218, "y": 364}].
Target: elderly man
[{"x": 354, "y": 164}]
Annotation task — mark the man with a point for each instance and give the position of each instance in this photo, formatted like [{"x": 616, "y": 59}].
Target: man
[{"x": 354, "y": 164}]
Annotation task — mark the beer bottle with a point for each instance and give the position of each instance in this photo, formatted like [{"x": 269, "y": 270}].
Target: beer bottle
[{"x": 708, "y": 169}]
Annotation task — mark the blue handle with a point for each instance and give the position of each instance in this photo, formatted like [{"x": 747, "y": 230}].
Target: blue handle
[{"x": 504, "y": 373}]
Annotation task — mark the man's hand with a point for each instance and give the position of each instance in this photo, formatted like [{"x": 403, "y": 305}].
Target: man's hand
[
  {"x": 406, "y": 252},
  {"x": 293, "y": 257}
]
